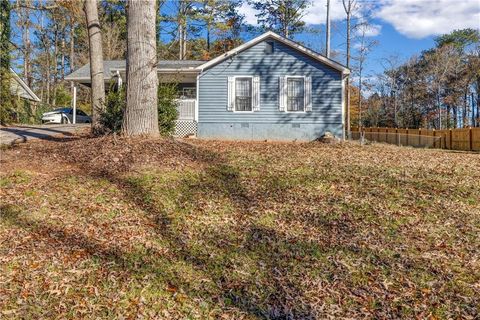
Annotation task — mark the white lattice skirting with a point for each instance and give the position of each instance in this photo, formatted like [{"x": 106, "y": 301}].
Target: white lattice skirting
[{"x": 184, "y": 128}]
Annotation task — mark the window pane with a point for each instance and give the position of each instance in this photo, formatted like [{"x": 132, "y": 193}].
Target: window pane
[
  {"x": 243, "y": 94},
  {"x": 188, "y": 93},
  {"x": 295, "y": 94}
]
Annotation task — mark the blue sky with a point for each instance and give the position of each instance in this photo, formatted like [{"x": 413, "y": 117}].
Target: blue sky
[{"x": 401, "y": 27}]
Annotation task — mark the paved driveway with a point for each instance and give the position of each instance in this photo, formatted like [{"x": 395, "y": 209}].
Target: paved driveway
[{"x": 22, "y": 133}]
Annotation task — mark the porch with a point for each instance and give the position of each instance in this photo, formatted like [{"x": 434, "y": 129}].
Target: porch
[
  {"x": 182, "y": 73},
  {"x": 186, "y": 123}
]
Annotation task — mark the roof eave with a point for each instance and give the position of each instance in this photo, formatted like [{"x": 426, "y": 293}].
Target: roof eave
[
  {"x": 22, "y": 83},
  {"x": 182, "y": 71}
]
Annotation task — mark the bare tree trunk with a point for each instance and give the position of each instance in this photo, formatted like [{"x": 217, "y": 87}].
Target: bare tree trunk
[
  {"x": 348, "y": 5},
  {"x": 184, "y": 42},
  {"x": 63, "y": 59},
  {"x": 439, "y": 106},
  {"x": 449, "y": 113},
  {"x": 55, "y": 69},
  {"x": 26, "y": 47},
  {"x": 180, "y": 42},
  {"x": 208, "y": 38},
  {"x": 473, "y": 109},
  {"x": 347, "y": 111},
  {"x": 141, "y": 113},
  {"x": 182, "y": 32},
  {"x": 327, "y": 33},
  {"x": 477, "y": 122},
  {"x": 47, "y": 51},
  {"x": 360, "y": 98},
  {"x": 96, "y": 63},
  {"x": 72, "y": 50}
]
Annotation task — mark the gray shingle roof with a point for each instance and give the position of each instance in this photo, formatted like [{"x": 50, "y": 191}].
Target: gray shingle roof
[
  {"x": 174, "y": 64},
  {"x": 109, "y": 66}
]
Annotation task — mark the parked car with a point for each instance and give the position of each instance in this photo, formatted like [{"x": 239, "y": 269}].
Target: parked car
[{"x": 65, "y": 115}]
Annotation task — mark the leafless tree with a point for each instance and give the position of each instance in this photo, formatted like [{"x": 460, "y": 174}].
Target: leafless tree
[
  {"x": 350, "y": 7},
  {"x": 391, "y": 72},
  {"x": 365, "y": 46}
]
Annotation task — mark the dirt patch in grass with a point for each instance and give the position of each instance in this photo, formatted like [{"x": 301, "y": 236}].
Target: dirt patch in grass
[{"x": 170, "y": 229}]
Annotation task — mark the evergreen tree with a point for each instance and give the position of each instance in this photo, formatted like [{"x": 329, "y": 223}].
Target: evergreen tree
[
  {"x": 5, "y": 95},
  {"x": 282, "y": 16}
]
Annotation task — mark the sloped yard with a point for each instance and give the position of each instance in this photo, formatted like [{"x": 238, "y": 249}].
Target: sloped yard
[{"x": 109, "y": 228}]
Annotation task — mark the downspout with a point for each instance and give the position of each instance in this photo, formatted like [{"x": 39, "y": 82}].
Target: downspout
[
  {"x": 345, "y": 131},
  {"x": 196, "y": 100}
]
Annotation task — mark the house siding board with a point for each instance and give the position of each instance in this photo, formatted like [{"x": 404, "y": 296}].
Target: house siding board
[{"x": 269, "y": 123}]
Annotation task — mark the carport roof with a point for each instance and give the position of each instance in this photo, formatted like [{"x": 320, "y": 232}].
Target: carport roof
[{"x": 82, "y": 74}]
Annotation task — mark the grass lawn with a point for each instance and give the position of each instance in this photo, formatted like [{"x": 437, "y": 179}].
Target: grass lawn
[{"x": 109, "y": 228}]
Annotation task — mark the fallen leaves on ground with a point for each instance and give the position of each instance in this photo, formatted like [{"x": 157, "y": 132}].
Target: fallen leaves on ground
[{"x": 171, "y": 229}]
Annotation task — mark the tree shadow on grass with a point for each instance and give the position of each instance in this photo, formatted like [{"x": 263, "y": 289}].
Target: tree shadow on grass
[
  {"x": 267, "y": 291},
  {"x": 277, "y": 297}
]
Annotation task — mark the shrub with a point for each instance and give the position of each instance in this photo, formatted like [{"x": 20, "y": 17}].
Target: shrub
[
  {"x": 63, "y": 96},
  {"x": 167, "y": 110},
  {"x": 112, "y": 117},
  {"x": 115, "y": 103},
  {"x": 39, "y": 111},
  {"x": 7, "y": 101}
]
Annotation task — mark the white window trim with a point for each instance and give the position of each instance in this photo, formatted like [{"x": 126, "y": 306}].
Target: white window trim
[
  {"x": 235, "y": 103},
  {"x": 304, "y": 104}
]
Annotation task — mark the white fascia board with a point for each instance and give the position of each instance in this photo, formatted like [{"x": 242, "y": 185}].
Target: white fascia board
[
  {"x": 189, "y": 70},
  {"x": 281, "y": 39},
  {"x": 76, "y": 78},
  {"x": 172, "y": 70},
  {"x": 32, "y": 95}
]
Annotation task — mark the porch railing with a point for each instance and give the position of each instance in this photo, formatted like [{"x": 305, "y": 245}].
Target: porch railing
[{"x": 186, "y": 109}]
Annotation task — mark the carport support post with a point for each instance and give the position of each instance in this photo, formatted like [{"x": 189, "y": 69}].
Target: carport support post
[{"x": 74, "y": 104}]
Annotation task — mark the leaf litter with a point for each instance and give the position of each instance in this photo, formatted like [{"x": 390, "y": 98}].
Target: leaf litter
[{"x": 171, "y": 229}]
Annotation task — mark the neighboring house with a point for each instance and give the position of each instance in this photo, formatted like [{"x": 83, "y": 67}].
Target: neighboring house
[
  {"x": 20, "y": 89},
  {"x": 268, "y": 88}
]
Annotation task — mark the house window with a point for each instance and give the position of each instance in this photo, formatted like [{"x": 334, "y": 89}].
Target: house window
[
  {"x": 243, "y": 94},
  {"x": 295, "y": 94},
  {"x": 189, "y": 93}
]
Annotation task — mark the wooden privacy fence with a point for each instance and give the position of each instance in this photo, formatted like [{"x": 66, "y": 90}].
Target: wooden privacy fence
[{"x": 454, "y": 139}]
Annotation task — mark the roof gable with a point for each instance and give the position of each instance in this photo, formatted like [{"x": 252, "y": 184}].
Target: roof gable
[
  {"x": 19, "y": 87},
  {"x": 273, "y": 35}
]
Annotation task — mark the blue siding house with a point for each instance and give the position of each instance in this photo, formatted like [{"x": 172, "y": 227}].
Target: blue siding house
[{"x": 269, "y": 88}]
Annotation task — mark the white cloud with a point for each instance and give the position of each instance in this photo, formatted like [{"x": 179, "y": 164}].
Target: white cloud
[
  {"x": 412, "y": 18},
  {"x": 422, "y": 18},
  {"x": 371, "y": 30},
  {"x": 316, "y": 13},
  {"x": 249, "y": 13}
]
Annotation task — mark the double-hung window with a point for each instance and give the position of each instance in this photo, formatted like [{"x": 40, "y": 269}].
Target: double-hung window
[
  {"x": 243, "y": 94},
  {"x": 295, "y": 94}
]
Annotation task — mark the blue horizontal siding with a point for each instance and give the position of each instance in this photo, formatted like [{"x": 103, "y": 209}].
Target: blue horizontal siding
[{"x": 326, "y": 88}]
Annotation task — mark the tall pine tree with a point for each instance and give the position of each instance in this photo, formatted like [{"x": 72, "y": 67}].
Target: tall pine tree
[
  {"x": 282, "y": 16},
  {"x": 5, "y": 95}
]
